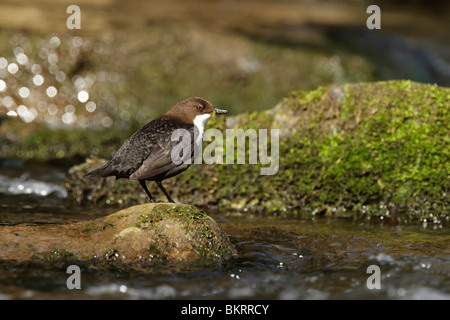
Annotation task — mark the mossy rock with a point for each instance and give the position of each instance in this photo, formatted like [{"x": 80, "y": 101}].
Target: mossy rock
[
  {"x": 135, "y": 237},
  {"x": 377, "y": 150}
]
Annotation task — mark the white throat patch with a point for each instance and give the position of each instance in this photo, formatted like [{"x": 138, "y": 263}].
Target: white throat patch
[{"x": 200, "y": 122}]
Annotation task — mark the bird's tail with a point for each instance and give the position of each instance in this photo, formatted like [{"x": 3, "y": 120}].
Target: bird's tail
[{"x": 104, "y": 171}]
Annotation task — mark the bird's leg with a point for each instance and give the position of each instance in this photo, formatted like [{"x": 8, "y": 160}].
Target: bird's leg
[
  {"x": 158, "y": 183},
  {"x": 142, "y": 183}
]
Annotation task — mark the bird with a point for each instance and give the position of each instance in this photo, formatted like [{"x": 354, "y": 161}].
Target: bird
[{"x": 147, "y": 154}]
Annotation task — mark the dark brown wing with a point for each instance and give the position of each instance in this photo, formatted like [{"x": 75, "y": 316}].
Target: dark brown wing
[
  {"x": 167, "y": 157},
  {"x": 148, "y": 144}
]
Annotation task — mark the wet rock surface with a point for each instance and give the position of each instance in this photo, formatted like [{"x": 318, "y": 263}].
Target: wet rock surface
[{"x": 133, "y": 237}]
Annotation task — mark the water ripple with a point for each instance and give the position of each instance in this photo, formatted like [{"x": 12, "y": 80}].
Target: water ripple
[{"x": 25, "y": 185}]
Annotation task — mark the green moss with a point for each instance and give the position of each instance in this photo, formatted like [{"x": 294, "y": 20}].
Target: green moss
[
  {"x": 194, "y": 222},
  {"x": 150, "y": 218},
  {"x": 391, "y": 149},
  {"x": 58, "y": 256}
]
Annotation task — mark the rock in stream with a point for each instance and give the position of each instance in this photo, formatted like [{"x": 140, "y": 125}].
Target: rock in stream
[{"x": 133, "y": 237}]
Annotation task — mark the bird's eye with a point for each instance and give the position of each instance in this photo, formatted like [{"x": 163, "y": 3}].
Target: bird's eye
[{"x": 199, "y": 107}]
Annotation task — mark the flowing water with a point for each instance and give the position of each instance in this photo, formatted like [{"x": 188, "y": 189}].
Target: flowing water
[{"x": 278, "y": 257}]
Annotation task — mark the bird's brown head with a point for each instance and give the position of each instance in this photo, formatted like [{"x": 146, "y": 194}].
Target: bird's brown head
[{"x": 188, "y": 110}]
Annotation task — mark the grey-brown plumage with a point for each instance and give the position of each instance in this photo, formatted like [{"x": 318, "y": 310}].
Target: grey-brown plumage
[{"x": 146, "y": 155}]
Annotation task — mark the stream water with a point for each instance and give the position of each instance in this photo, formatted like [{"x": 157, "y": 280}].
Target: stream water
[{"x": 278, "y": 257}]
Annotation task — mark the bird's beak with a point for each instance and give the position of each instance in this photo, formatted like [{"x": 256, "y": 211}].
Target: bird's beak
[{"x": 219, "y": 111}]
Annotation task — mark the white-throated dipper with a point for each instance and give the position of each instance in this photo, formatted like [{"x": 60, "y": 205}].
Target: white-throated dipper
[{"x": 147, "y": 154}]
